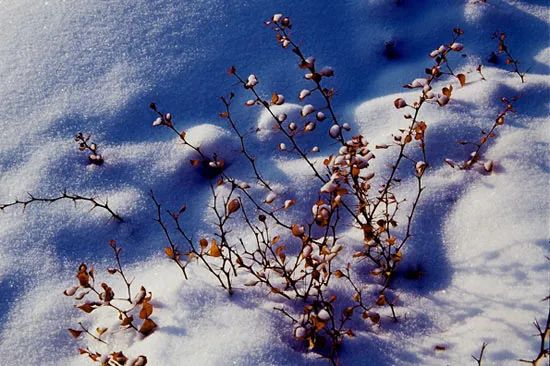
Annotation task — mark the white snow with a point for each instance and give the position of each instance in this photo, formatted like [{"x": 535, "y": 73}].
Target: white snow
[{"x": 480, "y": 239}]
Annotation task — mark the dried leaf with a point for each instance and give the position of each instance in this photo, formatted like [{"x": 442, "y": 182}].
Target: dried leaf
[
  {"x": 87, "y": 307},
  {"x": 70, "y": 291},
  {"x": 140, "y": 296},
  {"x": 81, "y": 295},
  {"x": 119, "y": 358},
  {"x": 374, "y": 317},
  {"x": 127, "y": 321},
  {"x": 381, "y": 301},
  {"x": 147, "y": 327},
  {"x": 169, "y": 252},
  {"x": 348, "y": 312},
  {"x": 297, "y": 230},
  {"x": 488, "y": 166},
  {"x": 233, "y": 206},
  {"x": 74, "y": 333},
  {"x": 399, "y": 103},
  {"x": 140, "y": 361},
  {"x": 146, "y": 310},
  {"x": 214, "y": 249},
  {"x": 462, "y": 79}
]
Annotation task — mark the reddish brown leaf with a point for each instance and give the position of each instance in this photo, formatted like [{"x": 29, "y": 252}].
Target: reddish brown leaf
[
  {"x": 147, "y": 327},
  {"x": 338, "y": 273},
  {"x": 119, "y": 358},
  {"x": 381, "y": 300},
  {"x": 462, "y": 79},
  {"x": 297, "y": 230},
  {"x": 233, "y": 206},
  {"x": 146, "y": 310},
  {"x": 87, "y": 307},
  {"x": 447, "y": 91},
  {"x": 74, "y": 333},
  {"x": 127, "y": 321}
]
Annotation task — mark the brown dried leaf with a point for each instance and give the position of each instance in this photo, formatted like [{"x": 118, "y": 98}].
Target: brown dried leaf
[
  {"x": 233, "y": 206},
  {"x": 462, "y": 79},
  {"x": 169, "y": 252},
  {"x": 127, "y": 321},
  {"x": 374, "y": 317},
  {"x": 348, "y": 312},
  {"x": 399, "y": 103},
  {"x": 74, "y": 333},
  {"x": 381, "y": 301},
  {"x": 147, "y": 327},
  {"x": 140, "y": 361},
  {"x": 83, "y": 275},
  {"x": 338, "y": 273},
  {"x": 119, "y": 358},
  {"x": 87, "y": 307},
  {"x": 214, "y": 249},
  {"x": 297, "y": 230},
  {"x": 146, "y": 310},
  {"x": 447, "y": 91}
]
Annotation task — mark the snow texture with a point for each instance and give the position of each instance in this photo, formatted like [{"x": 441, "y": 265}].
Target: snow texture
[{"x": 94, "y": 66}]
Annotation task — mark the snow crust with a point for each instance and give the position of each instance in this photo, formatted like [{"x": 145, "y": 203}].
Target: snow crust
[{"x": 66, "y": 67}]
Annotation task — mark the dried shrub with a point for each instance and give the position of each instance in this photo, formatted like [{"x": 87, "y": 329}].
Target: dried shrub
[
  {"x": 509, "y": 59},
  {"x": 84, "y": 144},
  {"x": 133, "y": 310},
  {"x": 297, "y": 261},
  {"x": 475, "y": 157},
  {"x": 95, "y": 202},
  {"x": 479, "y": 358},
  {"x": 543, "y": 333}
]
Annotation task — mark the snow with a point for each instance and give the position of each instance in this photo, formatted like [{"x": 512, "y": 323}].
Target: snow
[{"x": 480, "y": 239}]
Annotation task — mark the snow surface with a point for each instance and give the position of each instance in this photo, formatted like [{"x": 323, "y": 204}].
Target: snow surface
[{"x": 70, "y": 66}]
